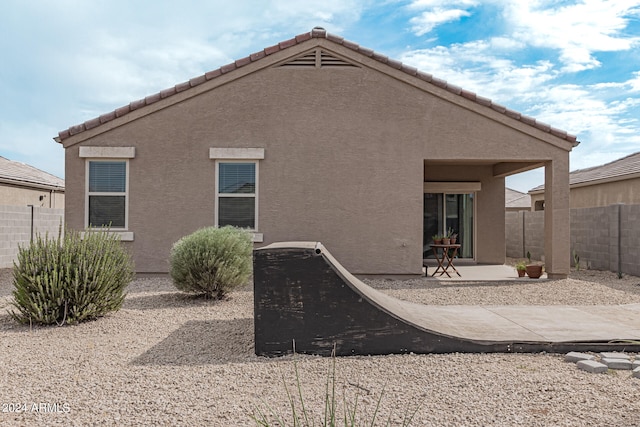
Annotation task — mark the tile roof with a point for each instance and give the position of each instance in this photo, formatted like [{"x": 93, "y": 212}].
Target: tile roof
[
  {"x": 516, "y": 199},
  {"x": 21, "y": 174},
  {"x": 619, "y": 169},
  {"x": 317, "y": 32}
]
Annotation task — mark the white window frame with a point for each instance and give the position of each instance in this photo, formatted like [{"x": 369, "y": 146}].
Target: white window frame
[
  {"x": 98, "y": 153},
  {"x": 218, "y": 195},
  {"x": 126, "y": 195},
  {"x": 238, "y": 155}
]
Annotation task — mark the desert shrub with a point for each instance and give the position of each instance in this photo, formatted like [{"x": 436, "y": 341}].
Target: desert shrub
[
  {"x": 212, "y": 261},
  {"x": 70, "y": 279}
]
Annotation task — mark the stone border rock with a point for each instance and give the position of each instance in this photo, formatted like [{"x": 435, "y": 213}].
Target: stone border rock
[{"x": 602, "y": 362}]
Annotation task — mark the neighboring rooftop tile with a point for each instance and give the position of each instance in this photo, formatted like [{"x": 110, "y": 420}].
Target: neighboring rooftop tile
[
  {"x": 317, "y": 32},
  {"x": 629, "y": 165},
  {"x": 23, "y": 174},
  {"x": 516, "y": 199}
]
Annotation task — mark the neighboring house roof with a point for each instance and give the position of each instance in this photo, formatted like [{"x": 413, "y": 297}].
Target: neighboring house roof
[
  {"x": 625, "y": 168},
  {"x": 516, "y": 200},
  {"x": 16, "y": 173},
  {"x": 315, "y": 33}
]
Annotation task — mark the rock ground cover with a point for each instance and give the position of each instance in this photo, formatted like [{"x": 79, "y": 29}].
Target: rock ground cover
[{"x": 167, "y": 358}]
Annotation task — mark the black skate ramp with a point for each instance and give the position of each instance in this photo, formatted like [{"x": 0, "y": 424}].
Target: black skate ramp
[{"x": 303, "y": 295}]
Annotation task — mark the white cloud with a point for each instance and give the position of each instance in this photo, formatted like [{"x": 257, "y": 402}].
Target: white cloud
[
  {"x": 427, "y": 21},
  {"x": 438, "y": 12},
  {"x": 577, "y": 30},
  {"x": 423, "y": 4},
  {"x": 634, "y": 83},
  {"x": 476, "y": 67}
]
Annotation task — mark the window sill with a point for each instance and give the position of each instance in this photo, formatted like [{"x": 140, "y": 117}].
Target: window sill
[{"x": 125, "y": 236}]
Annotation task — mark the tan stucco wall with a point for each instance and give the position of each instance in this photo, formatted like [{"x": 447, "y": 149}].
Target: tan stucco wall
[
  {"x": 22, "y": 196},
  {"x": 601, "y": 194},
  {"x": 345, "y": 153},
  {"x": 605, "y": 194}
]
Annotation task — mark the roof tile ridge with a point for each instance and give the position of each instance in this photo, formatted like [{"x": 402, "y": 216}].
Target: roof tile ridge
[
  {"x": 316, "y": 32},
  {"x": 193, "y": 82},
  {"x": 457, "y": 90},
  {"x": 611, "y": 163}
]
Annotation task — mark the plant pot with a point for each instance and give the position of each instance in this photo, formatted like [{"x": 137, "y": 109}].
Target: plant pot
[
  {"x": 437, "y": 242},
  {"x": 454, "y": 240},
  {"x": 534, "y": 271},
  {"x": 446, "y": 241},
  {"x": 521, "y": 273}
]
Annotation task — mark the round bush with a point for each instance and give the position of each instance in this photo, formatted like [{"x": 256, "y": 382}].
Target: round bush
[
  {"x": 71, "y": 279},
  {"x": 212, "y": 261}
]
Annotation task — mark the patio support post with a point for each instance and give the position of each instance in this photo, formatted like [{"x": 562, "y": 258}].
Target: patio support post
[{"x": 557, "y": 218}]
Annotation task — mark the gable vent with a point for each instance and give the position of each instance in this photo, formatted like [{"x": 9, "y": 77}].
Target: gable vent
[{"x": 317, "y": 58}]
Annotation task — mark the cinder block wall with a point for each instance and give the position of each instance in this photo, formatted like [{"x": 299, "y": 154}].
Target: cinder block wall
[
  {"x": 15, "y": 228},
  {"x": 591, "y": 233},
  {"x": 605, "y": 238},
  {"x": 630, "y": 239},
  {"x": 525, "y": 233},
  {"x": 514, "y": 232}
]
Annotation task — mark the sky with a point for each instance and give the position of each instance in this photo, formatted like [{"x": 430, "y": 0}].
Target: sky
[{"x": 572, "y": 64}]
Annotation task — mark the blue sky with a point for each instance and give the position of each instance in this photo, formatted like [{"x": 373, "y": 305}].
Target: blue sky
[{"x": 572, "y": 64}]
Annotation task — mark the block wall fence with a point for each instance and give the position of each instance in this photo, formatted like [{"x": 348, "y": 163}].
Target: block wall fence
[
  {"x": 19, "y": 223},
  {"x": 605, "y": 238}
]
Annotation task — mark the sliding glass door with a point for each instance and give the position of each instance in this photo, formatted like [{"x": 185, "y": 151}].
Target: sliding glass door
[{"x": 444, "y": 212}]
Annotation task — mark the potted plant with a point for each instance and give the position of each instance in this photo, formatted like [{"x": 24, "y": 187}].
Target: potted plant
[
  {"x": 521, "y": 268},
  {"x": 437, "y": 239},
  {"x": 534, "y": 271},
  {"x": 449, "y": 237}
]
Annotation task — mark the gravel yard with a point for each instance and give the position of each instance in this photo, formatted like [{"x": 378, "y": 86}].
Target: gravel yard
[{"x": 169, "y": 359}]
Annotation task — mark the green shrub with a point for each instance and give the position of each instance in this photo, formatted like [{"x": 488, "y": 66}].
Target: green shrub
[
  {"x": 70, "y": 279},
  {"x": 212, "y": 261}
]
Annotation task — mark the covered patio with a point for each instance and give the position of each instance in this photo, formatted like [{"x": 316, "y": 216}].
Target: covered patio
[{"x": 471, "y": 272}]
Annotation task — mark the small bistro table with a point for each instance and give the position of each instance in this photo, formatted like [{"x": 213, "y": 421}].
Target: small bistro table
[{"x": 446, "y": 256}]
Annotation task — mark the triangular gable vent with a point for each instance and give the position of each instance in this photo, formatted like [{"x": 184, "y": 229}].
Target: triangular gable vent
[{"x": 317, "y": 58}]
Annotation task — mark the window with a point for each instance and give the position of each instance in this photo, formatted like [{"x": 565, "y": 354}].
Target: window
[
  {"x": 107, "y": 187},
  {"x": 236, "y": 194},
  {"x": 445, "y": 211}
]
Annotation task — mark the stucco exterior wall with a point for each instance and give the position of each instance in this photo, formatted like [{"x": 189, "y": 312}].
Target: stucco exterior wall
[
  {"x": 607, "y": 193},
  {"x": 345, "y": 156},
  {"x": 625, "y": 191},
  {"x": 22, "y": 196}
]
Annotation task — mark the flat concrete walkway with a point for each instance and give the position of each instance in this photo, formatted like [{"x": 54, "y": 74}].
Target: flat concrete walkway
[
  {"x": 513, "y": 323},
  {"x": 532, "y": 323}
]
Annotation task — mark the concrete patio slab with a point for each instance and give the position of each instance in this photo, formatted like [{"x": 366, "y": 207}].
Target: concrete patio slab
[{"x": 480, "y": 273}]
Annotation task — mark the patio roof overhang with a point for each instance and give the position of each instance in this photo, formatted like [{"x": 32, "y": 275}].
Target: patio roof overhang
[{"x": 501, "y": 168}]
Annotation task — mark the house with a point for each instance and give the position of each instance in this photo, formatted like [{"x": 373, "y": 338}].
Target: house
[
  {"x": 317, "y": 139},
  {"x": 604, "y": 185},
  {"x": 23, "y": 185},
  {"x": 31, "y": 202},
  {"x": 516, "y": 200}
]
